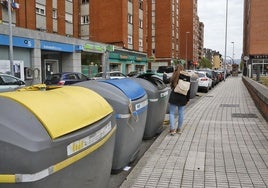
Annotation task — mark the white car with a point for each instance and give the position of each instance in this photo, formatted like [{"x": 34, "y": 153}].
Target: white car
[
  {"x": 10, "y": 83},
  {"x": 204, "y": 81},
  {"x": 112, "y": 75}
]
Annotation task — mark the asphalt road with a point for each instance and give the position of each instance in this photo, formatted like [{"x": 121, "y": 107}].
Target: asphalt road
[{"x": 117, "y": 179}]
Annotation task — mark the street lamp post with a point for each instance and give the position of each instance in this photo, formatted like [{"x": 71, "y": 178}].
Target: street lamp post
[
  {"x": 233, "y": 50},
  {"x": 186, "y": 48},
  {"x": 226, "y": 21},
  {"x": 10, "y": 38}
]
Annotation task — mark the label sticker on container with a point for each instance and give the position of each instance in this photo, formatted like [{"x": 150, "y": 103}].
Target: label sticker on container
[
  {"x": 141, "y": 105},
  {"x": 164, "y": 94},
  {"x": 79, "y": 145}
]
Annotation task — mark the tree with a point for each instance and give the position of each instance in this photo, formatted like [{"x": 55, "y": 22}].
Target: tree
[{"x": 205, "y": 63}]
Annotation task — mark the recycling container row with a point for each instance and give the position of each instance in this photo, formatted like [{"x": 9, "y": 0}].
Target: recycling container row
[
  {"x": 53, "y": 138},
  {"x": 75, "y": 135}
]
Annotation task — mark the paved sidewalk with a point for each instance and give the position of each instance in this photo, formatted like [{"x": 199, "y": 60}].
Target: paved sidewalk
[{"x": 224, "y": 144}]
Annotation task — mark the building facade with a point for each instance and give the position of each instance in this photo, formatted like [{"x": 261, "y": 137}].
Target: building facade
[
  {"x": 60, "y": 39},
  {"x": 255, "y": 41},
  {"x": 72, "y": 35},
  {"x": 191, "y": 33},
  {"x": 163, "y": 32}
]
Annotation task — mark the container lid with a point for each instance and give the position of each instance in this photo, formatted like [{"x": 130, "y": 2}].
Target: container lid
[
  {"x": 63, "y": 110},
  {"x": 129, "y": 87}
]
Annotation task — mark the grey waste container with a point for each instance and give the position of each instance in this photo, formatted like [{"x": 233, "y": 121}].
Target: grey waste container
[
  {"x": 52, "y": 139},
  {"x": 158, "y": 95},
  {"x": 130, "y": 103},
  {"x": 194, "y": 86}
]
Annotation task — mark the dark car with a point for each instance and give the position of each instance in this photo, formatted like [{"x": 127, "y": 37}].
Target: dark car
[
  {"x": 65, "y": 78},
  {"x": 10, "y": 83}
]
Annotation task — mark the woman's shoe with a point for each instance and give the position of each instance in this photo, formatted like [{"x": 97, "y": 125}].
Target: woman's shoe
[
  {"x": 179, "y": 131},
  {"x": 172, "y": 132}
]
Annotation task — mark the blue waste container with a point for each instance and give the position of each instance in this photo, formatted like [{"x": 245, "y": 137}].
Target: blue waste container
[{"x": 130, "y": 102}]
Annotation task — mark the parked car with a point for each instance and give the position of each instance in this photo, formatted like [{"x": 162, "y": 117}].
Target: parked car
[
  {"x": 211, "y": 74},
  {"x": 10, "y": 83},
  {"x": 65, "y": 78},
  {"x": 135, "y": 73},
  {"x": 204, "y": 81},
  {"x": 112, "y": 74}
]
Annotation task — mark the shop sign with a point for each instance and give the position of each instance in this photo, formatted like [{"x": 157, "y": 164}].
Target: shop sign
[
  {"x": 138, "y": 59},
  {"x": 123, "y": 57},
  {"x": 17, "y": 41},
  {"x": 259, "y": 57},
  {"x": 55, "y": 46},
  {"x": 92, "y": 47}
]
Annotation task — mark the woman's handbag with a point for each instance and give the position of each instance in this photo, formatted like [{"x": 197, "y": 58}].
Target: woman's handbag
[{"x": 182, "y": 87}]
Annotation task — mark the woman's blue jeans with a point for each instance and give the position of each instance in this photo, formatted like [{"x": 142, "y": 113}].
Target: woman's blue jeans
[{"x": 172, "y": 110}]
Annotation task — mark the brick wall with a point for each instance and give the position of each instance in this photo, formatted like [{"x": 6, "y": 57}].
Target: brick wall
[{"x": 259, "y": 94}]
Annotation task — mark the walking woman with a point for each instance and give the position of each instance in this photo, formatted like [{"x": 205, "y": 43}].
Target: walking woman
[{"x": 177, "y": 100}]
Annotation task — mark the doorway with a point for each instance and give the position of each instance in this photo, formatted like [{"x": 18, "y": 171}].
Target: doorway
[{"x": 51, "y": 67}]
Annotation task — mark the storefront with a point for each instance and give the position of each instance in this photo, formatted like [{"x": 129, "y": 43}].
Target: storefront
[
  {"x": 127, "y": 61},
  {"x": 91, "y": 58},
  {"x": 22, "y": 48},
  {"x": 259, "y": 65},
  {"x": 57, "y": 57}
]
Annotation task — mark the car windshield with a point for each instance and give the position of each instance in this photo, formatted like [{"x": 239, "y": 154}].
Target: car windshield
[
  {"x": 98, "y": 74},
  {"x": 201, "y": 74},
  {"x": 166, "y": 69},
  {"x": 53, "y": 77}
]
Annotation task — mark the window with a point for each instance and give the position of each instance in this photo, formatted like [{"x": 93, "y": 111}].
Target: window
[
  {"x": 141, "y": 4},
  {"x": 129, "y": 18},
  {"x": 54, "y": 13},
  {"x": 40, "y": 9},
  {"x": 129, "y": 39},
  {"x": 85, "y": 1},
  {"x": 140, "y": 43},
  {"x": 140, "y": 23},
  {"x": 85, "y": 19},
  {"x": 69, "y": 18}
]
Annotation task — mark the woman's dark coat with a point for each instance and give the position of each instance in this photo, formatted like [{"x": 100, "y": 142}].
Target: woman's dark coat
[{"x": 179, "y": 99}]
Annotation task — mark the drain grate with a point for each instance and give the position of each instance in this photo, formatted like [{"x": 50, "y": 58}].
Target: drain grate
[
  {"x": 229, "y": 105},
  {"x": 240, "y": 115},
  {"x": 209, "y": 96}
]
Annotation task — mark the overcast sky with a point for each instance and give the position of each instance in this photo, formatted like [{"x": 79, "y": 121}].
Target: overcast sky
[{"x": 212, "y": 14}]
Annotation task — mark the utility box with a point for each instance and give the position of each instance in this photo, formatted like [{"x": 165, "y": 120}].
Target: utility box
[
  {"x": 60, "y": 138},
  {"x": 129, "y": 101}
]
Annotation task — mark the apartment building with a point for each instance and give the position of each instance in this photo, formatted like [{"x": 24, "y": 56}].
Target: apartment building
[
  {"x": 255, "y": 39},
  {"x": 53, "y": 36},
  {"x": 191, "y": 33},
  {"x": 122, "y": 23},
  {"x": 163, "y": 32}
]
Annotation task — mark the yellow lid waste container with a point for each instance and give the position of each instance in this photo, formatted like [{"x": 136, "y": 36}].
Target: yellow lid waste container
[{"x": 60, "y": 138}]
